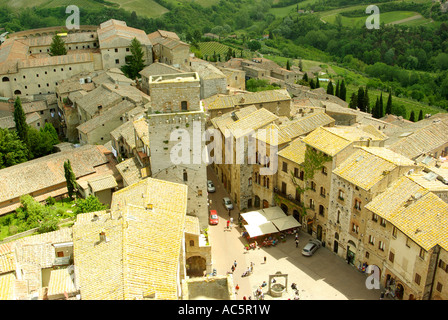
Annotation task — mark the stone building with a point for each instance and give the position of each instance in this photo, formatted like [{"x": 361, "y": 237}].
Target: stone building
[
  {"x": 235, "y": 78},
  {"x": 114, "y": 39},
  {"x": 335, "y": 144},
  {"x": 213, "y": 81},
  {"x": 177, "y": 116},
  {"x": 175, "y": 92},
  {"x": 87, "y": 162},
  {"x": 198, "y": 251},
  {"x": 415, "y": 241},
  {"x": 168, "y": 49},
  {"x": 156, "y": 68},
  {"x": 355, "y": 182},
  {"x": 277, "y": 102}
]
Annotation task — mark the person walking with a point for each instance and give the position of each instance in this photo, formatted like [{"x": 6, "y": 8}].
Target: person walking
[
  {"x": 237, "y": 288},
  {"x": 234, "y": 264},
  {"x": 297, "y": 243},
  {"x": 228, "y": 224},
  {"x": 265, "y": 259}
]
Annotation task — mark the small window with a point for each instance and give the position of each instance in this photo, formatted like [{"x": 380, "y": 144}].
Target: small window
[
  {"x": 324, "y": 170},
  {"x": 184, "y": 106},
  {"x": 422, "y": 253},
  {"x": 418, "y": 278},
  {"x": 285, "y": 167},
  {"x": 116, "y": 49},
  {"x": 185, "y": 176},
  {"x": 391, "y": 256},
  {"x": 312, "y": 204},
  {"x": 199, "y": 193},
  {"x": 371, "y": 240},
  {"x": 374, "y": 217},
  {"x": 383, "y": 222},
  {"x": 127, "y": 49},
  {"x": 394, "y": 232},
  {"x": 313, "y": 186},
  {"x": 381, "y": 246},
  {"x": 439, "y": 287},
  {"x": 408, "y": 242},
  {"x": 341, "y": 195},
  {"x": 322, "y": 191},
  {"x": 367, "y": 255},
  {"x": 357, "y": 204},
  {"x": 117, "y": 61},
  {"x": 191, "y": 243},
  {"x": 296, "y": 172}
]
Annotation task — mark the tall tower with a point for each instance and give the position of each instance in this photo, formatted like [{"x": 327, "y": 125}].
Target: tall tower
[{"x": 176, "y": 122}]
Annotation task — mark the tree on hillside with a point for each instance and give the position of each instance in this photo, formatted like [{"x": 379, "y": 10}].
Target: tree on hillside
[
  {"x": 300, "y": 65},
  {"x": 254, "y": 45},
  {"x": 330, "y": 89},
  {"x": 70, "y": 178},
  {"x": 305, "y": 77},
  {"x": 420, "y": 115},
  {"x": 412, "y": 116},
  {"x": 12, "y": 149},
  {"x": 381, "y": 107},
  {"x": 57, "y": 46},
  {"x": 134, "y": 62},
  {"x": 389, "y": 103},
  {"x": 317, "y": 84},
  {"x": 288, "y": 65},
  {"x": 360, "y": 101},
  {"x": 353, "y": 100},
  {"x": 337, "y": 90},
  {"x": 366, "y": 100},
  {"x": 343, "y": 91},
  {"x": 20, "y": 121}
]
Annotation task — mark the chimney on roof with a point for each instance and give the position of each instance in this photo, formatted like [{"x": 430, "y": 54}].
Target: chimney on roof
[
  {"x": 103, "y": 236},
  {"x": 149, "y": 206}
]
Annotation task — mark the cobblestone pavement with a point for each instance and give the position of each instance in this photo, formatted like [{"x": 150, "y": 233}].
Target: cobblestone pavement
[{"x": 323, "y": 276}]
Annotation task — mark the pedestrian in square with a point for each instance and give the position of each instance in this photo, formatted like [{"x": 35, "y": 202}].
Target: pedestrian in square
[
  {"x": 265, "y": 259},
  {"x": 228, "y": 224},
  {"x": 234, "y": 263},
  {"x": 297, "y": 243}
]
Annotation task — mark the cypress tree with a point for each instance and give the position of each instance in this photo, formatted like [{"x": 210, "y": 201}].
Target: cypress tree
[
  {"x": 337, "y": 89},
  {"x": 353, "y": 100},
  {"x": 20, "y": 121},
  {"x": 288, "y": 65},
  {"x": 134, "y": 62},
  {"x": 381, "y": 108},
  {"x": 389, "y": 103},
  {"x": 305, "y": 77},
  {"x": 420, "y": 115},
  {"x": 57, "y": 46},
  {"x": 366, "y": 101},
  {"x": 317, "y": 82},
  {"x": 312, "y": 84},
  {"x": 360, "y": 101},
  {"x": 330, "y": 89},
  {"x": 375, "y": 111},
  {"x": 70, "y": 178},
  {"x": 412, "y": 116},
  {"x": 343, "y": 91}
]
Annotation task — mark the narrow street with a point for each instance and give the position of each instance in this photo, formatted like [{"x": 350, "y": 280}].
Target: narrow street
[{"x": 324, "y": 276}]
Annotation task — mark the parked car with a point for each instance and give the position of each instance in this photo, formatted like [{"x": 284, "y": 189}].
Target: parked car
[
  {"x": 311, "y": 247},
  {"x": 213, "y": 218},
  {"x": 227, "y": 203},
  {"x": 210, "y": 186}
]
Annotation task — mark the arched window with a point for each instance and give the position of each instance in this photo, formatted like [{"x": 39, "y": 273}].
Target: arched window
[
  {"x": 191, "y": 243},
  {"x": 5, "y": 79},
  {"x": 17, "y": 92},
  {"x": 250, "y": 182},
  {"x": 321, "y": 210}
]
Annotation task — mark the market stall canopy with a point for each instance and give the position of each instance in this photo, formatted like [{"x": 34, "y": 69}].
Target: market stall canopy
[
  {"x": 286, "y": 223},
  {"x": 259, "y": 230},
  {"x": 254, "y": 218},
  {"x": 272, "y": 213}
]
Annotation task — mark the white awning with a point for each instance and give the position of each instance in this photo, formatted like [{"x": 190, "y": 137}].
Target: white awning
[
  {"x": 254, "y": 218},
  {"x": 259, "y": 230},
  {"x": 286, "y": 223},
  {"x": 272, "y": 213}
]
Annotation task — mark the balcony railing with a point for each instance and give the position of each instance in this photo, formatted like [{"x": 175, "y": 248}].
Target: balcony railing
[{"x": 288, "y": 197}]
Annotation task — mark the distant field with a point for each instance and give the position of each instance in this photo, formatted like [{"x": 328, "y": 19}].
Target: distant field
[
  {"x": 386, "y": 18},
  {"x": 148, "y": 8},
  {"x": 208, "y": 48}
]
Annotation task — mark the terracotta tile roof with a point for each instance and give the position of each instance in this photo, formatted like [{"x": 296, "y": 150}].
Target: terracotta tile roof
[
  {"x": 163, "y": 34},
  {"x": 192, "y": 225},
  {"x": 418, "y": 213},
  {"x": 48, "y": 171},
  {"x": 251, "y": 122},
  {"x": 332, "y": 140},
  {"x": 130, "y": 170},
  {"x": 230, "y": 101},
  {"x": 307, "y": 124},
  {"x": 142, "y": 130},
  {"x": 142, "y": 247},
  {"x": 157, "y": 68},
  {"x": 102, "y": 182},
  {"x": 111, "y": 114},
  {"x": 221, "y": 122},
  {"x": 61, "y": 282},
  {"x": 422, "y": 140},
  {"x": 114, "y": 33},
  {"x": 125, "y": 132},
  {"x": 294, "y": 152},
  {"x": 7, "y": 260},
  {"x": 272, "y": 135},
  {"x": 367, "y": 166},
  {"x": 7, "y": 284}
]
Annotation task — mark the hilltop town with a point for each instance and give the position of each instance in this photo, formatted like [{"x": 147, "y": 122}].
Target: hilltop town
[{"x": 371, "y": 192}]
